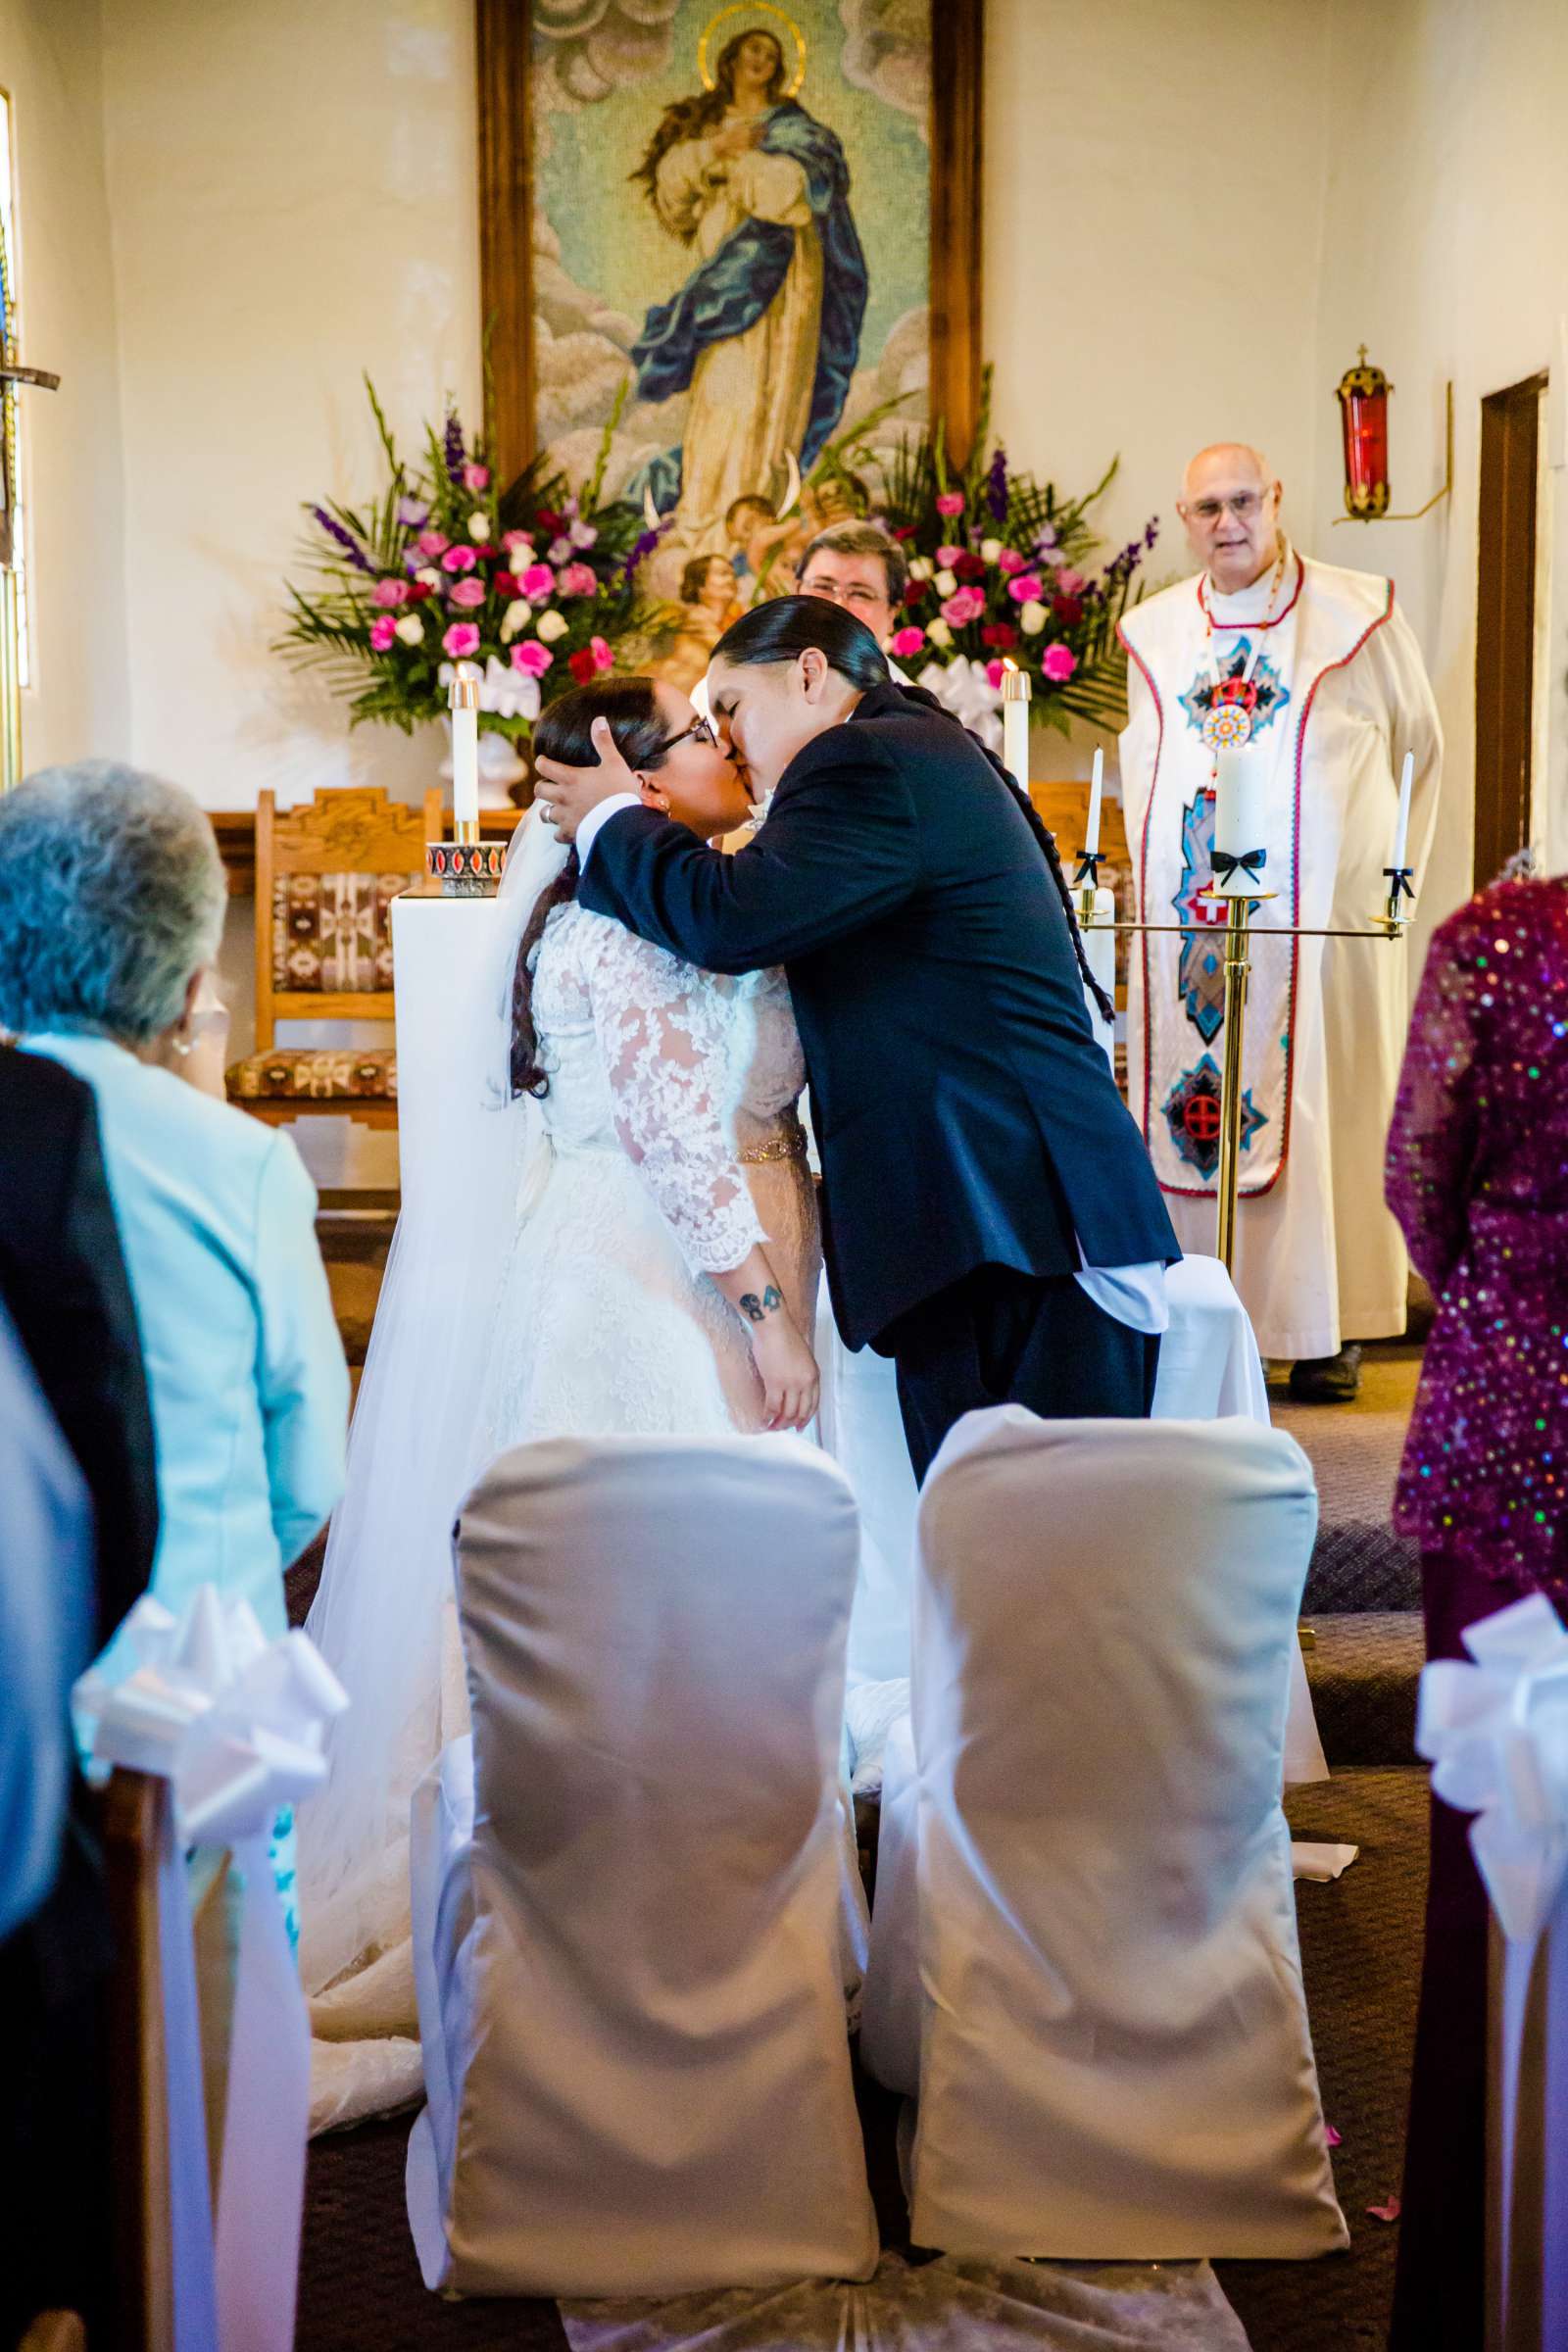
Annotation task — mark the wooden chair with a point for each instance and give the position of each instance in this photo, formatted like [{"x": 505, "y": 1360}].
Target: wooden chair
[
  {"x": 325, "y": 876},
  {"x": 134, "y": 1826}
]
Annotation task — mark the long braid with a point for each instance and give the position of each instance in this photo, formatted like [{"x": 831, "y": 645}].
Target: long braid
[{"x": 1043, "y": 835}]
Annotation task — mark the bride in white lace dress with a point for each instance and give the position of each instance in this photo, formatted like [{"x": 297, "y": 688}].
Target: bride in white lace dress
[{"x": 631, "y": 1246}]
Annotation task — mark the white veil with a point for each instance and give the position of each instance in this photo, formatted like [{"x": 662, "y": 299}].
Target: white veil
[{"x": 478, "y": 1158}]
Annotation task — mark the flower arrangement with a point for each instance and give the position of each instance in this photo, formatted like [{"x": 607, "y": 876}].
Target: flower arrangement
[
  {"x": 532, "y": 586},
  {"x": 1002, "y": 571}
]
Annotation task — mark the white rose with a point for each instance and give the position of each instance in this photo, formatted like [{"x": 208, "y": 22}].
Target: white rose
[
  {"x": 410, "y": 629},
  {"x": 990, "y": 549},
  {"x": 920, "y": 568},
  {"x": 944, "y": 583},
  {"x": 551, "y": 625},
  {"x": 516, "y": 618},
  {"x": 479, "y": 528},
  {"x": 937, "y": 631},
  {"x": 1032, "y": 619},
  {"x": 430, "y": 577}
]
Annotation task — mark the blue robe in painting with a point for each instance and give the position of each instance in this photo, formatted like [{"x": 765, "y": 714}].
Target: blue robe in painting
[{"x": 730, "y": 292}]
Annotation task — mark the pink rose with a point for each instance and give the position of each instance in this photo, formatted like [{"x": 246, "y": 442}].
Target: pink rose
[
  {"x": 964, "y": 606},
  {"x": 383, "y": 633},
  {"x": 947, "y": 556},
  {"x": 907, "y": 642},
  {"x": 1025, "y": 586},
  {"x": 537, "y": 582},
  {"x": 950, "y": 501},
  {"x": 1068, "y": 584},
  {"x": 1060, "y": 663},
  {"x": 389, "y": 594},
  {"x": 519, "y": 545},
  {"x": 458, "y": 558},
  {"x": 475, "y": 477},
  {"x": 1010, "y": 560},
  {"x": 578, "y": 579},
  {"x": 461, "y": 641},
  {"x": 604, "y": 659},
  {"x": 996, "y": 671},
  {"x": 532, "y": 658},
  {"x": 467, "y": 594},
  {"x": 433, "y": 544}
]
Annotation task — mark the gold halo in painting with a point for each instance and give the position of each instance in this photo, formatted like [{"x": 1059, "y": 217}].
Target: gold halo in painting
[{"x": 753, "y": 8}]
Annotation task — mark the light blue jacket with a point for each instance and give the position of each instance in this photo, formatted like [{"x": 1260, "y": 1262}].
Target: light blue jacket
[{"x": 245, "y": 1370}]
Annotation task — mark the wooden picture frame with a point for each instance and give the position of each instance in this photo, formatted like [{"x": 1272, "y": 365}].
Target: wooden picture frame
[{"x": 504, "y": 29}]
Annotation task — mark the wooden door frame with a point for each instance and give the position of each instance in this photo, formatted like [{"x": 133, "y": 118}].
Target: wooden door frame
[
  {"x": 502, "y": 48},
  {"x": 1505, "y": 622}
]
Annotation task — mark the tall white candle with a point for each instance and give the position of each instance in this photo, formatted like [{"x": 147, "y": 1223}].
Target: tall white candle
[
  {"x": 464, "y": 747},
  {"x": 1016, "y": 725},
  {"x": 1100, "y": 953},
  {"x": 1401, "y": 818},
  {"x": 1096, "y": 788},
  {"x": 1238, "y": 815}
]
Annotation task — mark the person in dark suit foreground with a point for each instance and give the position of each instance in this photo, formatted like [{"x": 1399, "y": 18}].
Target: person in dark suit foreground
[
  {"x": 67, "y": 1316},
  {"x": 990, "y": 1217}
]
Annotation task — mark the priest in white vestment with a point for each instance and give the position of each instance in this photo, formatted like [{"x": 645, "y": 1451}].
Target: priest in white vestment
[{"x": 1317, "y": 674}]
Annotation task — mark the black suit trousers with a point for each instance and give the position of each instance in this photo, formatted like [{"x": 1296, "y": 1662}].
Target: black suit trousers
[{"x": 998, "y": 1336}]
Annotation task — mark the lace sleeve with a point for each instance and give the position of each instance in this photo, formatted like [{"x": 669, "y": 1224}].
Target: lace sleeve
[
  {"x": 1432, "y": 1140},
  {"x": 661, "y": 1029}
]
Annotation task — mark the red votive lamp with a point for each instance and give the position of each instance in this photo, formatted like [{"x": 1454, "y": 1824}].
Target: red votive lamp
[{"x": 1363, "y": 396}]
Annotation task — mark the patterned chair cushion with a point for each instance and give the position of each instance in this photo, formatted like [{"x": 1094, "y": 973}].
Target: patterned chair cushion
[
  {"x": 331, "y": 932},
  {"x": 309, "y": 1073}
]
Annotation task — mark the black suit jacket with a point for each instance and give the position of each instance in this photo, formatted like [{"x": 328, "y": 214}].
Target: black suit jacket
[
  {"x": 965, "y": 1112},
  {"x": 64, "y": 1281}
]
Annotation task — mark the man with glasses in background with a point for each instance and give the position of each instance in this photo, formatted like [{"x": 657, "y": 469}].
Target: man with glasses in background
[
  {"x": 861, "y": 566},
  {"x": 1314, "y": 679}
]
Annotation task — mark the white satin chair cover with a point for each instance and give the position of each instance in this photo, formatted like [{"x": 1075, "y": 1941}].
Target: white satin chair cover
[
  {"x": 1083, "y": 1945},
  {"x": 626, "y": 1897}
]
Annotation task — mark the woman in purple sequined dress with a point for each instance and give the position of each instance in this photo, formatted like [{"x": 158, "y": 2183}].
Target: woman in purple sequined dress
[{"x": 1478, "y": 1177}]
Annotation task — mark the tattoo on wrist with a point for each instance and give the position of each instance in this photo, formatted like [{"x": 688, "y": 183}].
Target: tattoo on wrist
[{"x": 757, "y": 1310}]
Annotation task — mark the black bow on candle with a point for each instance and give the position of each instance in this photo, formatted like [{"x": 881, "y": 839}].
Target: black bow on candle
[
  {"x": 1088, "y": 868},
  {"x": 1249, "y": 861},
  {"x": 1397, "y": 878}
]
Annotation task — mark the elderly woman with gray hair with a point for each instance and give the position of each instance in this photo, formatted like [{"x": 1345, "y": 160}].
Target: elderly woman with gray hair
[{"x": 112, "y": 900}]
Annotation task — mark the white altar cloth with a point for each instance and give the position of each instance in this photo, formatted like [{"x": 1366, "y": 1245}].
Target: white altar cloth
[{"x": 1209, "y": 1367}]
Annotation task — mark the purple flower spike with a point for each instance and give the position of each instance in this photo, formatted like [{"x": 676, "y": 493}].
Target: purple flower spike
[
  {"x": 454, "y": 449},
  {"x": 1152, "y": 531},
  {"x": 996, "y": 487},
  {"x": 345, "y": 539}
]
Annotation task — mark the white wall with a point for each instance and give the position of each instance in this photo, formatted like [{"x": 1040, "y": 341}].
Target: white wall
[
  {"x": 293, "y": 195},
  {"x": 1446, "y": 232},
  {"x": 1153, "y": 206},
  {"x": 74, "y": 485}
]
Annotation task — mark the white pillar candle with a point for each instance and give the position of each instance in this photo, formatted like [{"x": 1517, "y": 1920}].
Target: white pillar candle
[
  {"x": 1238, "y": 815},
  {"x": 1096, "y": 788},
  {"x": 1401, "y": 818},
  {"x": 1100, "y": 953},
  {"x": 464, "y": 747},
  {"x": 1016, "y": 725}
]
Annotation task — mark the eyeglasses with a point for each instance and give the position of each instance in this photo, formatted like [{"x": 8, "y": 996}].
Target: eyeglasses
[
  {"x": 700, "y": 731},
  {"x": 835, "y": 594},
  {"x": 1246, "y": 505}
]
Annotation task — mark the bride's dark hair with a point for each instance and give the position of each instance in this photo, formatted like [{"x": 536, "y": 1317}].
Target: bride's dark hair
[
  {"x": 565, "y": 732},
  {"x": 787, "y": 627},
  {"x": 689, "y": 118}
]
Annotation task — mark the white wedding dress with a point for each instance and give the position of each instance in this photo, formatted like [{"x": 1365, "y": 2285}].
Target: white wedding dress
[{"x": 558, "y": 1288}]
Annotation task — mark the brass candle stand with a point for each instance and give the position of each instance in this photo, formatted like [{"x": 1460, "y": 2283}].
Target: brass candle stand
[{"x": 1397, "y": 913}]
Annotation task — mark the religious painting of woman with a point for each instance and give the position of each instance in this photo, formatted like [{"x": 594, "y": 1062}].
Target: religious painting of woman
[{"x": 764, "y": 334}]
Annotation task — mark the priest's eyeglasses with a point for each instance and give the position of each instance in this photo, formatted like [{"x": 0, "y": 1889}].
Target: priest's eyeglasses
[
  {"x": 1246, "y": 505},
  {"x": 700, "y": 731}
]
